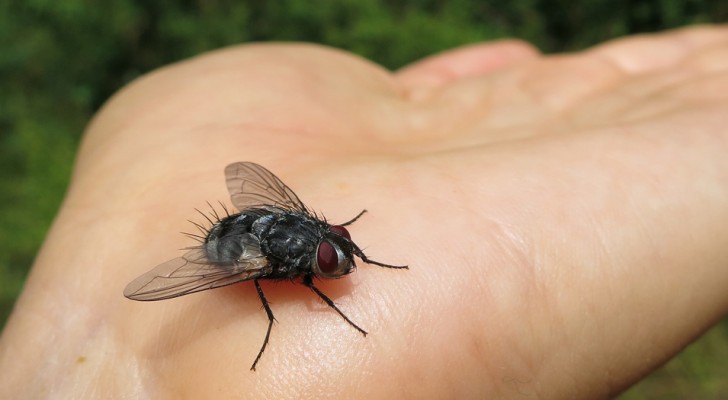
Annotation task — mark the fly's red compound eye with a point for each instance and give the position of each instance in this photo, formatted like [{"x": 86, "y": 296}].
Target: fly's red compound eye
[
  {"x": 327, "y": 258},
  {"x": 341, "y": 231}
]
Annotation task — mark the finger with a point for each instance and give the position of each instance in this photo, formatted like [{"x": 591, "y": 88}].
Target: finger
[
  {"x": 468, "y": 61},
  {"x": 646, "y": 53}
]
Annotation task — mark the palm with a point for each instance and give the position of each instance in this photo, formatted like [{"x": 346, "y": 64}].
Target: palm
[{"x": 549, "y": 212}]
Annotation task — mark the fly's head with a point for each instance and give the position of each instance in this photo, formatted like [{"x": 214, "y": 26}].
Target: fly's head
[{"x": 334, "y": 254}]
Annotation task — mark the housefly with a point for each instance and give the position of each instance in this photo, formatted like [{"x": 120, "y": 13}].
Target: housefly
[{"x": 274, "y": 236}]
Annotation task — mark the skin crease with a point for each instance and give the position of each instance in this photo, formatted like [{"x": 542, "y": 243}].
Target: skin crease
[{"x": 563, "y": 218}]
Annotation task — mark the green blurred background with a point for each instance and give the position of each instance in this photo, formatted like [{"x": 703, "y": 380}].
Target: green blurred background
[{"x": 60, "y": 60}]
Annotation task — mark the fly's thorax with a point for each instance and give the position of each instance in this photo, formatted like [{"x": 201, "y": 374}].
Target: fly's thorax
[{"x": 289, "y": 241}]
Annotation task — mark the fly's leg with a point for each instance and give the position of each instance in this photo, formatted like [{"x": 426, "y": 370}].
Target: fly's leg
[
  {"x": 353, "y": 219},
  {"x": 363, "y": 256},
  {"x": 368, "y": 260},
  {"x": 308, "y": 281},
  {"x": 270, "y": 322}
]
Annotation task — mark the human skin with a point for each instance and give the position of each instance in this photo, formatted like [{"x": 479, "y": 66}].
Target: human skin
[{"x": 563, "y": 217}]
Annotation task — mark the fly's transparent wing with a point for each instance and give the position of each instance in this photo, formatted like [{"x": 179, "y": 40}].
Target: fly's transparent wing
[
  {"x": 193, "y": 272},
  {"x": 251, "y": 185}
]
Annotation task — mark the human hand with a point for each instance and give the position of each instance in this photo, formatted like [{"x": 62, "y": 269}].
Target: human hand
[{"x": 563, "y": 218}]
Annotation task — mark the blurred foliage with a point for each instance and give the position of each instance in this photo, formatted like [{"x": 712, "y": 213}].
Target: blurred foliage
[{"x": 61, "y": 60}]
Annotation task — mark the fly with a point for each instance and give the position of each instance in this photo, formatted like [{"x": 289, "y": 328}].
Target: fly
[{"x": 274, "y": 236}]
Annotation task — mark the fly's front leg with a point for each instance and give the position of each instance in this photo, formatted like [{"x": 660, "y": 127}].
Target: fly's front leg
[
  {"x": 308, "y": 281},
  {"x": 351, "y": 221},
  {"x": 270, "y": 322},
  {"x": 368, "y": 260}
]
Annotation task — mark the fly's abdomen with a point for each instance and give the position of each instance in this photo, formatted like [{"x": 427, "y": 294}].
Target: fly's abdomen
[{"x": 224, "y": 243}]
